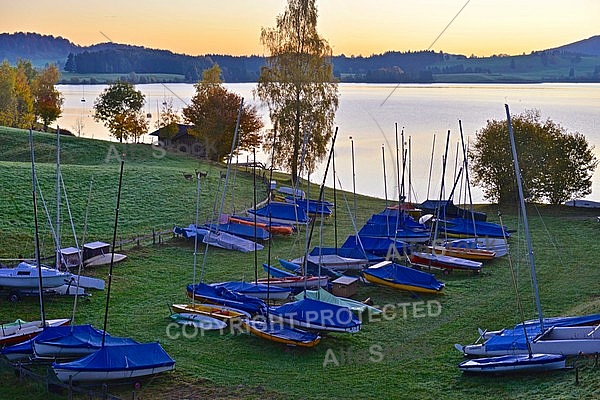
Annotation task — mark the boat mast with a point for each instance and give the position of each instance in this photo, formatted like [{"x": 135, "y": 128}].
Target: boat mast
[
  {"x": 57, "y": 239},
  {"x": 321, "y": 191},
  {"x": 37, "y": 235},
  {"x": 233, "y": 143},
  {"x": 536, "y": 291},
  {"x": 384, "y": 177},
  {"x": 112, "y": 255},
  {"x": 468, "y": 183},
  {"x": 196, "y": 235},
  {"x": 430, "y": 167}
]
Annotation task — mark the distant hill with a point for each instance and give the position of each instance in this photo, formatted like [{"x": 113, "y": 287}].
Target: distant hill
[
  {"x": 588, "y": 47},
  {"x": 39, "y": 49},
  {"x": 575, "y": 62}
]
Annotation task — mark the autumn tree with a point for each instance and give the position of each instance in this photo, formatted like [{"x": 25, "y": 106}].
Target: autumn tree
[
  {"x": 16, "y": 97},
  {"x": 168, "y": 119},
  {"x": 299, "y": 88},
  {"x": 556, "y": 165},
  {"x": 8, "y": 101},
  {"x": 120, "y": 108},
  {"x": 47, "y": 100},
  {"x": 213, "y": 112}
]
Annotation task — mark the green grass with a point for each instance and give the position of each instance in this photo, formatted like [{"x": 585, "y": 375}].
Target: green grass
[{"x": 155, "y": 195}]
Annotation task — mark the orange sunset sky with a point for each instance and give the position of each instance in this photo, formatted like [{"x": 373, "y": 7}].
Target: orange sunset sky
[{"x": 352, "y": 27}]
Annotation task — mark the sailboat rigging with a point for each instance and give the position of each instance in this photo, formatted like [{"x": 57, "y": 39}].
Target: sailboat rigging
[{"x": 563, "y": 336}]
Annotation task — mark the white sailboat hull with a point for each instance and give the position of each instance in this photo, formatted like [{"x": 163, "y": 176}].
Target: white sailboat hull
[
  {"x": 66, "y": 375},
  {"x": 568, "y": 341},
  {"x": 26, "y": 276}
]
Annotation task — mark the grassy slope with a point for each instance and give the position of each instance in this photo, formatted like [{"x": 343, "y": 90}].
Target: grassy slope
[{"x": 155, "y": 195}]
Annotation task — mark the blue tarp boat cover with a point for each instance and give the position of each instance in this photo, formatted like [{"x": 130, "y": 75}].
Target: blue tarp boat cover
[
  {"x": 247, "y": 287},
  {"x": 390, "y": 231},
  {"x": 121, "y": 358},
  {"x": 511, "y": 362},
  {"x": 318, "y": 315},
  {"x": 462, "y": 226},
  {"x": 190, "y": 231},
  {"x": 346, "y": 252},
  {"x": 221, "y": 239},
  {"x": 78, "y": 336},
  {"x": 312, "y": 206},
  {"x": 391, "y": 217},
  {"x": 228, "y": 298},
  {"x": 228, "y": 241},
  {"x": 276, "y": 272},
  {"x": 448, "y": 209},
  {"x": 25, "y": 348},
  {"x": 242, "y": 230},
  {"x": 378, "y": 246},
  {"x": 514, "y": 338},
  {"x": 403, "y": 275},
  {"x": 282, "y": 211},
  {"x": 311, "y": 269},
  {"x": 283, "y": 332}
]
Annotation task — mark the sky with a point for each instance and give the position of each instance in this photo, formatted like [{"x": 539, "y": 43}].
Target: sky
[{"x": 352, "y": 27}]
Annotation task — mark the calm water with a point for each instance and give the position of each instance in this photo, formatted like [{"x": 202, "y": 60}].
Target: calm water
[{"x": 423, "y": 111}]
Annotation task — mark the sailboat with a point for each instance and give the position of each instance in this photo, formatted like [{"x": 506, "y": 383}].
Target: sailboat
[
  {"x": 25, "y": 276},
  {"x": 111, "y": 358},
  {"x": 548, "y": 349},
  {"x": 266, "y": 328},
  {"x": 120, "y": 362},
  {"x": 401, "y": 277},
  {"x": 16, "y": 333}
]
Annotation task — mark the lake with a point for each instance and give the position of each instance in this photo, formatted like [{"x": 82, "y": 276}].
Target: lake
[{"x": 422, "y": 111}]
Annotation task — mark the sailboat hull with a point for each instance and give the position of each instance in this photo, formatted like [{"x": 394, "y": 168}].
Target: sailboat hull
[
  {"x": 26, "y": 276},
  {"x": 281, "y": 334},
  {"x": 514, "y": 364},
  {"x": 21, "y": 332}
]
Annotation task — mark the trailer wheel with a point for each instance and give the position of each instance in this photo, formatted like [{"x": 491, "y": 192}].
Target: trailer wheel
[{"x": 14, "y": 296}]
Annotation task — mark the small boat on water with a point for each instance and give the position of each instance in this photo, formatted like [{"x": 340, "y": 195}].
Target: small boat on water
[
  {"x": 281, "y": 334},
  {"x": 514, "y": 364},
  {"x": 111, "y": 363},
  {"x": 401, "y": 277}
]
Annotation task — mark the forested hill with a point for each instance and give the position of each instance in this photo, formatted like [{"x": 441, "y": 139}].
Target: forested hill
[{"x": 576, "y": 62}]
